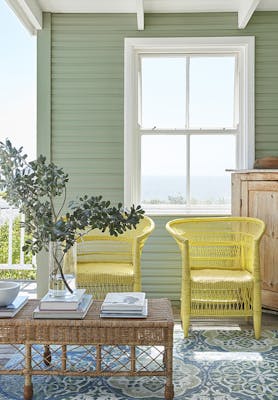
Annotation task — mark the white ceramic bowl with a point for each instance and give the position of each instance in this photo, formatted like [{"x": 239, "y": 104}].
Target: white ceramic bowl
[{"x": 8, "y": 292}]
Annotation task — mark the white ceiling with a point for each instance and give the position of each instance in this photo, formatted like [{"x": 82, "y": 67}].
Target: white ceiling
[
  {"x": 30, "y": 11},
  {"x": 155, "y": 6}
]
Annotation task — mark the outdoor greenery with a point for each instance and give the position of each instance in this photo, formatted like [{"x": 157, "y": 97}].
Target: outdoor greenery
[
  {"x": 4, "y": 242},
  {"x": 34, "y": 188},
  {"x": 14, "y": 273},
  {"x": 21, "y": 275}
]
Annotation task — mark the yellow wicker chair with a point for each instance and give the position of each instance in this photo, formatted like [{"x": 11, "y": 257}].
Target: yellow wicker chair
[
  {"x": 104, "y": 263},
  {"x": 220, "y": 267}
]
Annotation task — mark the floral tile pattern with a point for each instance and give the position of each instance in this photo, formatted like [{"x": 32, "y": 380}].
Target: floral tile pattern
[{"x": 209, "y": 365}]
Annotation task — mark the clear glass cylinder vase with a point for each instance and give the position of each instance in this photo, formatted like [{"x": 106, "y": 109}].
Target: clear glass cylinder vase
[{"x": 57, "y": 285}]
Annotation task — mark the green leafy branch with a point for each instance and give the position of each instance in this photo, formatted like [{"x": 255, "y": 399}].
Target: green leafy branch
[{"x": 32, "y": 187}]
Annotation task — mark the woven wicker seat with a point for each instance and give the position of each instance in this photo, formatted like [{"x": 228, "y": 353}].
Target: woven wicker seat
[
  {"x": 220, "y": 267},
  {"x": 104, "y": 263}
]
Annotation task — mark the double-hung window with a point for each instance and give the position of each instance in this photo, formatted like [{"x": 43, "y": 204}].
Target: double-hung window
[{"x": 188, "y": 119}]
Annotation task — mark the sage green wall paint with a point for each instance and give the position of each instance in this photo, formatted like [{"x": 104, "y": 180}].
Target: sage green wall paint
[{"x": 87, "y": 108}]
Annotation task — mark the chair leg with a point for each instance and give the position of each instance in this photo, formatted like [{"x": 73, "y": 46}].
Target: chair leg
[
  {"x": 257, "y": 323},
  {"x": 185, "y": 318},
  {"x": 257, "y": 311},
  {"x": 185, "y": 325}
]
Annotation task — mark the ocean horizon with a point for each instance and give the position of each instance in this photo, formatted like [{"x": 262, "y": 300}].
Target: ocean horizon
[{"x": 213, "y": 189}]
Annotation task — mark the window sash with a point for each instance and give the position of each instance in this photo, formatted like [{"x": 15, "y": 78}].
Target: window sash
[
  {"x": 188, "y": 177},
  {"x": 187, "y": 57}
]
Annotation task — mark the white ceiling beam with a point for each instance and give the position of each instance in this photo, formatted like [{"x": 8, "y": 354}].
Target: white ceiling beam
[
  {"x": 29, "y": 13},
  {"x": 140, "y": 14},
  {"x": 245, "y": 12}
]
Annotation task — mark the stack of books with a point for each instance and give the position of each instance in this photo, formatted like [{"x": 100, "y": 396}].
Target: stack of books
[
  {"x": 74, "y": 306},
  {"x": 12, "y": 309},
  {"x": 125, "y": 305}
]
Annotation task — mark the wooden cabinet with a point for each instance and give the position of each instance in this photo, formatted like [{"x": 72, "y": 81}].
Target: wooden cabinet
[{"x": 255, "y": 194}]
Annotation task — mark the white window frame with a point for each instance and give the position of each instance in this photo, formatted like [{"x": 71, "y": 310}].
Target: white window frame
[{"x": 245, "y": 146}]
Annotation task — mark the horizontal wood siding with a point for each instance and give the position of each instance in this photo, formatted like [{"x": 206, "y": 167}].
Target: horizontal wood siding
[{"x": 87, "y": 82}]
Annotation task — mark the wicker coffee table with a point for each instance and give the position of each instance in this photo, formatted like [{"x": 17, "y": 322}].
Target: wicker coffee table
[{"x": 91, "y": 347}]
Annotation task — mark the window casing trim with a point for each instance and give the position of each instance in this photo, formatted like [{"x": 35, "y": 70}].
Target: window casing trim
[{"x": 245, "y": 151}]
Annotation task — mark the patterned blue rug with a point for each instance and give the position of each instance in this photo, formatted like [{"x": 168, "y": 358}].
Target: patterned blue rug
[{"x": 209, "y": 365}]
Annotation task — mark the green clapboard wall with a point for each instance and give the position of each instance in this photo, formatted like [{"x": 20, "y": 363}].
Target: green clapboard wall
[{"x": 81, "y": 106}]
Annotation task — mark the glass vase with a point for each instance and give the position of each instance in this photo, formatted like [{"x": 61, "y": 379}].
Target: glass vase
[{"x": 58, "y": 285}]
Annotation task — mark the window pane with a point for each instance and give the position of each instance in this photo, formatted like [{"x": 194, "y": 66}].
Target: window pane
[
  {"x": 209, "y": 157},
  {"x": 163, "y": 169},
  {"x": 211, "y": 103},
  {"x": 163, "y": 92}
]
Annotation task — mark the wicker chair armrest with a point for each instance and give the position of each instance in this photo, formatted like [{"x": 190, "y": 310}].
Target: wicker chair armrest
[{"x": 146, "y": 231}]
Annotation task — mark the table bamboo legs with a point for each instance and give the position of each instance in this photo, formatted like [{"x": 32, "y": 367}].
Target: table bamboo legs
[
  {"x": 28, "y": 386},
  {"x": 47, "y": 355},
  {"x": 168, "y": 362}
]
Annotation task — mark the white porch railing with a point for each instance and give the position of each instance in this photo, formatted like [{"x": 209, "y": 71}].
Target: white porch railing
[{"x": 8, "y": 217}]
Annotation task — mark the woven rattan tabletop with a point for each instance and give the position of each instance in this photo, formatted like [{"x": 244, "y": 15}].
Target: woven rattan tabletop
[{"x": 159, "y": 314}]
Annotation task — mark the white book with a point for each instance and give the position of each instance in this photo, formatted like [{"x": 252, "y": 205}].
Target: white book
[
  {"x": 125, "y": 314},
  {"x": 80, "y": 313},
  {"x": 12, "y": 309},
  {"x": 69, "y": 302},
  {"x": 133, "y": 301}
]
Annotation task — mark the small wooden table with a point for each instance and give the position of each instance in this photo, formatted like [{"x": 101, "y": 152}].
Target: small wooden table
[{"x": 123, "y": 347}]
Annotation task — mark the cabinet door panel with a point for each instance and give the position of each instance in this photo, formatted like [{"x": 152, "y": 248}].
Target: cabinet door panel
[{"x": 263, "y": 204}]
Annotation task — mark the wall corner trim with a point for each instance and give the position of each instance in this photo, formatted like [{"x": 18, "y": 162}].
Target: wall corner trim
[{"x": 43, "y": 124}]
